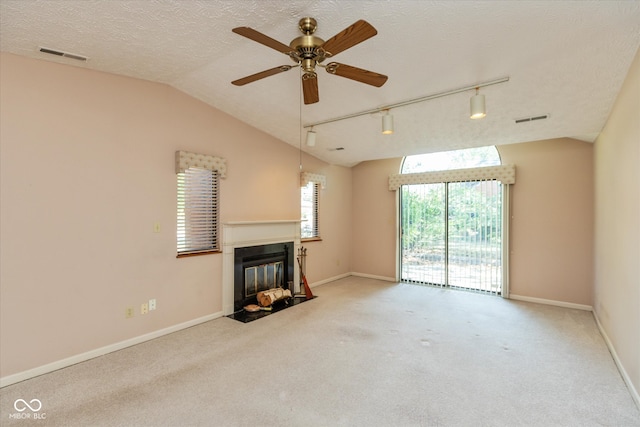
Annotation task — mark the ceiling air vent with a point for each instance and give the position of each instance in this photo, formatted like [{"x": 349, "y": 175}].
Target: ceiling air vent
[
  {"x": 63, "y": 54},
  {"x": 532, "y": 118}
]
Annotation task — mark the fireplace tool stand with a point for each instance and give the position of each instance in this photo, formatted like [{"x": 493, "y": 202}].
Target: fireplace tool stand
[{"x": 304, "y": 285}]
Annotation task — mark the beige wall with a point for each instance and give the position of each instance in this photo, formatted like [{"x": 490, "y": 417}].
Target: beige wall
[
  {"x": 617, "y": 225},
  {"x": 551, "y": 241},
  {"x": 330, "y": 257},
  {"x": 552, "y": 229},
  {"x": 375, "y": 229},
  {"x": 87, "y": 168}
]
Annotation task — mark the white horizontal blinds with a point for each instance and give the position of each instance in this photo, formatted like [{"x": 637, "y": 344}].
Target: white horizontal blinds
[
  {"x": 198, "y": 190},
  {"x": 474, "y": 235},
  {"x": 310, "y": 184},
  {"x": 197, "y": 210},
  {"x": 309, "y": 202},
  {"x": 316, "y": 202}
]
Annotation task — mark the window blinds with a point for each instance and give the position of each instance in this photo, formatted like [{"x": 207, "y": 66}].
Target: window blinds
[
  {"x": 197, "y": 210},
  {"x": 309, "y": 202}
]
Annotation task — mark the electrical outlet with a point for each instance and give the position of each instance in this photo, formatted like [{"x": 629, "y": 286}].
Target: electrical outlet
[
  {"x": 129, "y": 312},
  {"x": 152, "y": 304},
  {"x": 156, "y": 227},
  {"x": 144, "y": 308}
]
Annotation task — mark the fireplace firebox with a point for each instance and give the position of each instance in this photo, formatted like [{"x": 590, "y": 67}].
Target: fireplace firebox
[{"x": 259, "y": 268}]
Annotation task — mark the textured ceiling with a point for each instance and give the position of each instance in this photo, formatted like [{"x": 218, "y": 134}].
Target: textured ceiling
[{"x": 563, "y": 58}]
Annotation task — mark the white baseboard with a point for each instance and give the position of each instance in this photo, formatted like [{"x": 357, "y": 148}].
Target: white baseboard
[
  {"x": 372, "y": 276},
  {"x": 345, "y": 275},
  {"x": 551, "y": 302},
  {"x": 616, "y": 359},
  {"x": 331, "y": 279},
  {"x": 54, "y": 366},
  {"x": 612, "y": 350}
]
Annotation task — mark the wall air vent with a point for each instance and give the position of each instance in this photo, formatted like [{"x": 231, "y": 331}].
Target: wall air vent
[
  {"x": 63, "y": 54},
  {"x": 532, "y": 118}
]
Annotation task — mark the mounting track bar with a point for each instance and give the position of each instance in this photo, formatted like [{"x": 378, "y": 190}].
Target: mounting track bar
[{"x": 409, "y": 102}]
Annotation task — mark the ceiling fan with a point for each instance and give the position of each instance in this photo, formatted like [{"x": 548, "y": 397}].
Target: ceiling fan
[{"x": 309, "y": 51}]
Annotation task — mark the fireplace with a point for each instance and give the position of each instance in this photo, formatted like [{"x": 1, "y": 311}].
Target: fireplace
[
  {"x": 246, "y": 234},
  {"x": 259, "y": 268}
]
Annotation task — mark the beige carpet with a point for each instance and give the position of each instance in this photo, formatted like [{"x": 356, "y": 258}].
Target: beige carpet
[{"x": 364, "y": 353}]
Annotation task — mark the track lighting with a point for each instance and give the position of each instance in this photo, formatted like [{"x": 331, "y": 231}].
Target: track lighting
[
  {"x": 387, "y": 123},
  {"x": 478, "y": 110},
  {"x": 311, "y": 138}
]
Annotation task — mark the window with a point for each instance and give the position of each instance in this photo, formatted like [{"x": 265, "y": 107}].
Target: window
[
  {"x": 309, "y": 203},
  {"x": 448, "y": 160},
  {"x": 454, "y": 219},
  {"x": 197, "y": 211}
]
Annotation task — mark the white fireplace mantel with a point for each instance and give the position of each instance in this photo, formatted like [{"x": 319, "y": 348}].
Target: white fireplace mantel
[{"x": 240, "y": 234}]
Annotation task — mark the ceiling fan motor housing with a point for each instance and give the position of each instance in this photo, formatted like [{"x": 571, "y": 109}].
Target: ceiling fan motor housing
[{"x": 306, "y": 48}]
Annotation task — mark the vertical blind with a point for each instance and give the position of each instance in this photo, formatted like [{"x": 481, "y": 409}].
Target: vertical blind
[
  {"x": 197, "y": 210},
  {"x": 452, "y": 234},
  {"x": 474, "y": 235}
]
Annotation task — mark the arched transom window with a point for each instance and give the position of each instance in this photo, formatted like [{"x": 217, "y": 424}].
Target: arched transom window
[{"x": 449, "y": 160}]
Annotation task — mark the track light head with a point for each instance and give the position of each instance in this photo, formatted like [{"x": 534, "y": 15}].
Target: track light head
[
  {"x": 478, "y": 109},
  {"x": 311, "y": 138},
  {"x": 387, "y": 123}
]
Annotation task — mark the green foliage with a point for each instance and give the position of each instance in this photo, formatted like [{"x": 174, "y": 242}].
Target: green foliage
[
  {"x": 423, "y": 215},
  {"x": 474, "y": 214}
]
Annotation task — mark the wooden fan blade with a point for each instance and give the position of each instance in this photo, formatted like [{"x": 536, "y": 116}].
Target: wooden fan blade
[
  {"x": 357, "y": 74},
  {"x": 261, "y": 75},
  {"x": 257, "y": 36},
  {"x": 310, "y": 88},
  {"x": 350, "y": 36}
]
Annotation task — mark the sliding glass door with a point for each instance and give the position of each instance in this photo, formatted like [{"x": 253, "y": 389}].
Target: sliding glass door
[
  {"x": 423, "y": 233},
  {"x": 451, "y": 234}
]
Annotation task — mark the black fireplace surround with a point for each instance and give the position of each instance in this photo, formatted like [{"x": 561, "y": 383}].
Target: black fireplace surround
[{"x": 252, "y": 256}]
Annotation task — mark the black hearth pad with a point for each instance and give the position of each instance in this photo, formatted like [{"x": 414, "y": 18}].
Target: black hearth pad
[{"x": 246, "y": 317}]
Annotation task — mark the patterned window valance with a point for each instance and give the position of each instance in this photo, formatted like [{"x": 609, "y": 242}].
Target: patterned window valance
[
  {"x": 505, "y": 174},
  {"x": 307, "y": 177},
  {"x": 185, "y": 160}
]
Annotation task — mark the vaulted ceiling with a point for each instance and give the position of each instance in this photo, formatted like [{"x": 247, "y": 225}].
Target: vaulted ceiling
[{"x": 564, "y": 59}]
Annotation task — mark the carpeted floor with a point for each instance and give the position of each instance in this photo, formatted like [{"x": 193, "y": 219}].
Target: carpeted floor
[{"x": 364, "y": 353}]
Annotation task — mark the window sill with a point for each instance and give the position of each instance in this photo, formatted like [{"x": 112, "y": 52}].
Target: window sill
[
  {"x": 198, "y": 254},
  {"x": 311, "y": 239}
]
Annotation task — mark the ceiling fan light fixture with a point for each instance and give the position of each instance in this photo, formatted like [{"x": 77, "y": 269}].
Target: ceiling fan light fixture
[
  {"x": 387, "y": 123},
  {"x": 478, "y": 109},
  {"x": 311, "y": 138}
]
